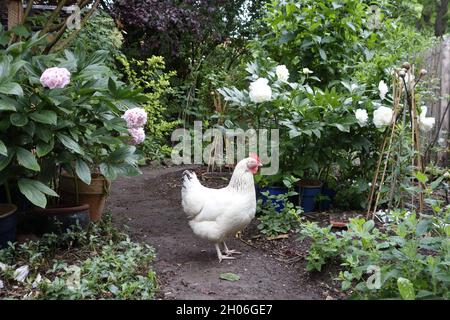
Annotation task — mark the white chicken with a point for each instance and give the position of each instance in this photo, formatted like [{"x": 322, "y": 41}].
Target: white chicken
[{"x": 215, "y": 214}]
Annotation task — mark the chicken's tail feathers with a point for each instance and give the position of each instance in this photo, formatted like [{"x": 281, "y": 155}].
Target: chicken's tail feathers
[{"x": 191, "y": 203}]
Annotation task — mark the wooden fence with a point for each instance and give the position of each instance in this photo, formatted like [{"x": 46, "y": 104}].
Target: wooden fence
[{"x": 437, "y": 62}]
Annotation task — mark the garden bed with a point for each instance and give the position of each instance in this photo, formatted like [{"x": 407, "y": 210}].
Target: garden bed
[{"x": 187, "y": 267}]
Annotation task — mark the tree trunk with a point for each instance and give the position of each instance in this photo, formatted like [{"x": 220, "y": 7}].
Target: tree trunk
[{"x": 441, "y": 22}]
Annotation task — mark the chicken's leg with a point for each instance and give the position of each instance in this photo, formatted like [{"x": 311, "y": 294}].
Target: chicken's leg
[
  {"x": 221, "y": 256},
  {"x": 230, "y": 252}
]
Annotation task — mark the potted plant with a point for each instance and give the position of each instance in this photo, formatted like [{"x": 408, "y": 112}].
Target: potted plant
[
  {"x": 61, "y": 114},
  {"x": 8, "y": 224}
]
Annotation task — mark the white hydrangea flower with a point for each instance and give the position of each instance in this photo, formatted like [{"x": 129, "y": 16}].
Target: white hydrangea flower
[
  {"x": 383, "y": 88},
  {"x": 426, "y": 124},
  {"x": 307, "y": 71},
  {"x": 362, "y": 117},
  {"x": 282, "y": 73},
  {"x": 260, "y": 91},
  {"x": 383, "y": 116}
]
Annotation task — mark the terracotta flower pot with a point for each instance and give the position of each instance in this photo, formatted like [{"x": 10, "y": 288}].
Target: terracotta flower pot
[
  {"x": 94, "y": 195},
  {"x": 8, "y": 224}
]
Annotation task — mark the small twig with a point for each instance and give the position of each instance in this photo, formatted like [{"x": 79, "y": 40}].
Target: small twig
[{"x": 247, "y": 243}]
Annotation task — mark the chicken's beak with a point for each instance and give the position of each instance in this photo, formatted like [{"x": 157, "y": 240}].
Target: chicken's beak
[{"x": 260, "y": 164}]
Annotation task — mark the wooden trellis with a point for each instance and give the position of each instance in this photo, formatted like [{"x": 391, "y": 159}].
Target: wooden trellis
[
  {"x": 403, "y": 87},
  {"x": 15, "y": 12}
]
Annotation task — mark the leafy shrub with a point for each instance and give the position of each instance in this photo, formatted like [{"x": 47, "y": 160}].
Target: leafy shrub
[
  {"x": 273, "y": 222},
  {"x": 101, "y": 263},
  {"x": 411, "y": 255},
  {"x": 100, "y": 33},
  {"x": 150, "y": 77}
]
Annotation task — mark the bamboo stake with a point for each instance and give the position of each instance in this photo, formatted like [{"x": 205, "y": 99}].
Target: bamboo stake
[{"x": 397, "y": 92}]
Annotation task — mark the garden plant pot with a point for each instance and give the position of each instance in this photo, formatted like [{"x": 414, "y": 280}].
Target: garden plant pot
[
  {"x": 94, "y": 194},
  {"x": 57, "y": 219},
  {"x": 308, "y": 191},
  {"x": 273, "y": 191},
  {"x": 325, "y": 205},
  {"x": 8, "y": 224}
]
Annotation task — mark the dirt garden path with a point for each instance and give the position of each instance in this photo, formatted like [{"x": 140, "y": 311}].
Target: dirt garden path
[{"x": 187, "y": 267}]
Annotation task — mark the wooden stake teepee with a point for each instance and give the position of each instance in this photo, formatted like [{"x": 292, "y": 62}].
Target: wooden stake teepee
[{"x": 403, "y": 85}]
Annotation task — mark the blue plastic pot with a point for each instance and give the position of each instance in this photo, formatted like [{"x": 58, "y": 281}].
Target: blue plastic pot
[
  {"x": 325, "y": 205},
  {"x": 273, "y": 191},
  {"x": 307, "y": 192},
  {"x": 8, "y": 224}
]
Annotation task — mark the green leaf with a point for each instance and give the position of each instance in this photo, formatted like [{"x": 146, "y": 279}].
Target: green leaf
[
  {"x": 108, "y": 171},
  {"x": 44, "y": 148},
  {"x": 21, "y": 31},
  {"x": 35, "y": 191},
  {"x": 44, "y": 134},
  {"x": 45, "y": 116},
  {"x": 3, "y": 149},
  {"x": 7, "y": 105},
  {"x": 70, "y": 143},
  {"x": 406, "y": 289},
  {"x": 11, "y": 88},
  {"x": 18, "y": 119},
  {"x": 229, "y": 276},
  {"x": 323, "y": 54},
  {"x": 83, "y": 171},
  {"x": 421, "y": 177},
  {"x": 5, "y": 160},
  {"x": 27, "y": 159}
]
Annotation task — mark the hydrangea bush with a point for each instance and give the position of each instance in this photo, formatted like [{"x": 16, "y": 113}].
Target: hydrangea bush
[{"x": 63, "y": 111}]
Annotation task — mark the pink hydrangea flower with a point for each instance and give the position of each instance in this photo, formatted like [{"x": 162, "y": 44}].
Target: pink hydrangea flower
[
  {"x": 55, "y": 78},
  {"x": 135, "y": 118},
  {"x": 137, "y": 135}
]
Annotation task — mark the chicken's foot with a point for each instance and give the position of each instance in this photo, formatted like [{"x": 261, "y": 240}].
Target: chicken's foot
[
  {"x": 229, "y": 252},
  {"x": 221, "y": 256}
]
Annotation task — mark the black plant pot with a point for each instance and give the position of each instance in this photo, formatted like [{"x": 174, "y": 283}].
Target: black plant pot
[
  {"x": 8, "y": 224},
  {"x": 58, "y": 219}
]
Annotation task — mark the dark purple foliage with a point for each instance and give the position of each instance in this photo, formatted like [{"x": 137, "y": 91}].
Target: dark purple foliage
[{"x": 178, "y": 30}]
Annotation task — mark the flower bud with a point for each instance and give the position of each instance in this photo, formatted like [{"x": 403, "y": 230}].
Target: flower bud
[
  {"x": 406, "y": 65},
  {"x": 423, "y": 72},
  {"x": 402, "y": 73}
]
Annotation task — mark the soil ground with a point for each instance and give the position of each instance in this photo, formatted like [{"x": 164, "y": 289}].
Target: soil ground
[{"x": 149, "y": 206}]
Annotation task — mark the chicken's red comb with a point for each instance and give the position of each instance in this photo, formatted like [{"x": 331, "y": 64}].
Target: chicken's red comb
[{"x": 254, "y": 156}]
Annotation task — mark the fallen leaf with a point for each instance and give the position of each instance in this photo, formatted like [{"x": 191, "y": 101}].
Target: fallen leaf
[
  {"x": 229, "y": 276},
  {"x": 281, "y": 236}
]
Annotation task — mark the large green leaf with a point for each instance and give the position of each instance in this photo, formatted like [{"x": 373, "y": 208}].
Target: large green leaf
[
  {"x": 108, "y": 171},
  {"x": 5, "y": 160},
  {"x": 70, "y": 143},
  {"x": 11, "y": 88},
  {"x": 18, "y": 119},
  {"x": 27, "y": 159},
  {"x": 3, "y": 149},
  {"x": 44, "y": 148},
  {"x": 7, "y": 105},
  {"x": 45, "y": 116},
  {"x": 44, "y": 134},
  {"x": 83, "y": 171},
  {"x": 35, "y": 191}
]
